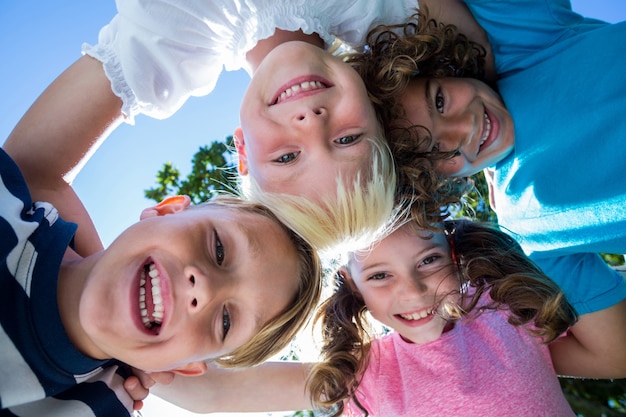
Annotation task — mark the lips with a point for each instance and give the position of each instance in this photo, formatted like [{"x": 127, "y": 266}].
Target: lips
[
  {"x": 490, "y": 131},
  {"x": 300, "y": 87},
  {"x": 417, "y": 315},
  {"x": 150, "y": 301},
  {"x": 486, "y": 129}
]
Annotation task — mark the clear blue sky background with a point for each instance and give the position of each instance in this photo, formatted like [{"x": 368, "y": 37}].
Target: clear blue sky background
[{"x": 40, "y": 38}]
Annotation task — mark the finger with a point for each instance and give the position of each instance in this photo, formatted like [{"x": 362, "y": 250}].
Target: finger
[
  {"x": 135, "y": 389},
  {"x": 162, "y": 377},
  {"x": 137, "y": 405},
  {"x": 145, "y": 378}
]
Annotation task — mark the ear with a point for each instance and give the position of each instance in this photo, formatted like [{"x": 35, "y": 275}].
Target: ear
[
  {"x": 191, "y": 369},
  {"x": 347, "y": 279},
  {"x": 170, "y": 205},
  {"x": 240, "y": 146}
]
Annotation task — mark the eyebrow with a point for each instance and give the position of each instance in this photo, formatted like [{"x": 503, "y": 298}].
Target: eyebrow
[
  {"x": 430, "y": 247},
  {"x": 251, "y": 239},
  {"x": 239, "y": 318},
  {"x": 429, "y": 99}
]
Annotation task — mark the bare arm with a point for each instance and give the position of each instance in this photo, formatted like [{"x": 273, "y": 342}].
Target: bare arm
[
  {"x": 57, "y": 135},
  {"x": 595, "y": 346},
  {"x": 455, "y": 12},
  {"x": 272, "y": 386}
]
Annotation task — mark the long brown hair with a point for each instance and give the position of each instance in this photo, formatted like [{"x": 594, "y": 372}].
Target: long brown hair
[{"x": 487, "y": 260}]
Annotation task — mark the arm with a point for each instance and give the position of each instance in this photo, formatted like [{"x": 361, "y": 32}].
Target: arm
[
  {"x": 56, "y": 136},
  {"x": 272, "y": 386},
  {"x": 594, "y": 346}
]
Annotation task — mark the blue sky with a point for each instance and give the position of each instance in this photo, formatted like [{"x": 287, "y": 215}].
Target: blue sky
[{"x": 40, "y": 38}]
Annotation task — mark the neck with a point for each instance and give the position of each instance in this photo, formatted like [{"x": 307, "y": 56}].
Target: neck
[
  {"x": 256, "y": 55},
  {"x": 72, "y": 278}
]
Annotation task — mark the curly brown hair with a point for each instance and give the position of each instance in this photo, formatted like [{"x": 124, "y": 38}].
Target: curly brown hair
[
  {"x": 394, "y": 55},
  {"x": 488, "y": 261}
]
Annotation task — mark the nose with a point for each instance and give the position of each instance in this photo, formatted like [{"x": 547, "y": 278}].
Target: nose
[
  {"x": 312, "y": 125},
  {"x": 310, "y": 116},
  {"x": 410, "y": 287},
  {"x": 198, "y": 292},
  {"x": 454, "y": 132}
]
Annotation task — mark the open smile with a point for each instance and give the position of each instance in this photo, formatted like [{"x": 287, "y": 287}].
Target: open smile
[
  {"x": 418, "y": 316},
  {"x": 490, "y": 131},
  {"x": 151, "y": 298},
  {"x": 300, "y": 87}
]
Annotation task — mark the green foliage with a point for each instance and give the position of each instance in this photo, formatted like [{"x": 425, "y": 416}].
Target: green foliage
[
  {"x": 596, "y": 398},
  {"x": 613, "y": 259},
  {"x": 477, "y": 201},
  {"x": 210, "y": 173}
]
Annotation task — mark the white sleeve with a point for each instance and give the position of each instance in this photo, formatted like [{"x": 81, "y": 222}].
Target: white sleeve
[
  {"x": 353, "y": 25},
  {"x": 158, "y": 53}
]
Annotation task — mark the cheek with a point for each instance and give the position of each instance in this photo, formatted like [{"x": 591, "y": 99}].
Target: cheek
[
  {"x": 375, "y": 305},
  {"x": 257, "y": 147},
  {"x": 450, "y": 168}
]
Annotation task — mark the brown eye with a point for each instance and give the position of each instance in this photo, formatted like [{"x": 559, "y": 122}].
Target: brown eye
[
  {"x": 219, "y": 250},
  {"x": 439, "y": 101},
  {"x": 225, "y": 323}
]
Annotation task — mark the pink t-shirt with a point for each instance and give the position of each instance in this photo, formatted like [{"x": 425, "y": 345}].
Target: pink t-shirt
[{"x": 482, "y": 367}]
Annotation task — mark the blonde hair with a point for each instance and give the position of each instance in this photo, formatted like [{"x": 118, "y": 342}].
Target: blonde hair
[
  {"x": 278, "y": 332},
  {"x": 358, "y": 213},
  {"x": 487, "y": 261}
]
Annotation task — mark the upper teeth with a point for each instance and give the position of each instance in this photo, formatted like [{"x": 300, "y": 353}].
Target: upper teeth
[
  {"x": 295, "y": 89},
  {"x": 418, "y": 315},
  {"x": 487, "y": 130},
  {"x": 151, "y": 273}
]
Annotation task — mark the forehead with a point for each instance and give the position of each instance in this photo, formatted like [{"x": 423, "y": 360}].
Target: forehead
[
  {"x": 406, "y": 237},
  {"x": 252, "y": 223}
]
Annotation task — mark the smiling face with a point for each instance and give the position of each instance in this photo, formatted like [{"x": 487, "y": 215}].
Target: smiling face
[
  {"x": 304, "y": 122},
  {"x": 404, "y": 281},
  {"x": 188, "y": 286},
  {"x": 461, "y": 114}
]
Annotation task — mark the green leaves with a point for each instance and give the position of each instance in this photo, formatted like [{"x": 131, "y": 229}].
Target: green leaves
[{"x": 212, "y": 171}]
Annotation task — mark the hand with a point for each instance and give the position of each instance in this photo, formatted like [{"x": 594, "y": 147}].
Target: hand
[
  {"x": 489, "y": 175},
  {"x": 138, "y": 385}
]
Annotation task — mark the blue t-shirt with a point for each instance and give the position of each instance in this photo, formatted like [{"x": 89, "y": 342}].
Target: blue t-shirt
[
  {"x": 562, "y": 191},
  {"x": 41, "y": 372}
]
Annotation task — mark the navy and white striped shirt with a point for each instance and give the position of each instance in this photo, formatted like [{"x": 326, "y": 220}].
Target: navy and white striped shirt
[{"x": 41, "y": 372}]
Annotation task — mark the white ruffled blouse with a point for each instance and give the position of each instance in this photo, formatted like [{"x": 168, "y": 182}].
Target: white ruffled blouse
[{"x": 158, "y": 53}]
